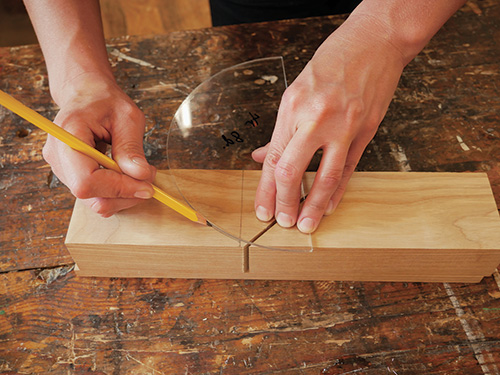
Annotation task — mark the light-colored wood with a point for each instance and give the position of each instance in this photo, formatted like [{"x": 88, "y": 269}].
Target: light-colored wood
[
  {"x": 224, "y": 186},
  {"x": 15, "y": 25},
  {"x": 151, "y": 240},
  {"x": 390, "y": 226},
  {"x": 152, "y": 17},
  {"x": 119, "y": 17},
  {"x": 397, "y": 227},
  {"x": 391, "y": 210}
]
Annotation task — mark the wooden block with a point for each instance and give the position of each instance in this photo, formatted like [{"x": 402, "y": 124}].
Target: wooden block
[
  {"x": 390, "y": 226},
  {"x": 398, "y": 227},
  {"x": 224, "y": 186},
  {"x": 151, "y": 240}
]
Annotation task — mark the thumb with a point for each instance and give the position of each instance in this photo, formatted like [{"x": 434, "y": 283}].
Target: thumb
[
  {"x": 260, "y": 153},
  {"x": 128, "y": 152},
  {"x": 133, "y": 163}
]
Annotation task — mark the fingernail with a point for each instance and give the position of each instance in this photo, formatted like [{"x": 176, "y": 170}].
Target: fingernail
[
  {"x": 284, "y": 220},
  {"x": 330, "y": 208},
  {"x": 140, "y": 162},
  {"x": 263, "y": 214},
  {"x": 143, "y": 194},
  {"x": 307, "y": 225}
]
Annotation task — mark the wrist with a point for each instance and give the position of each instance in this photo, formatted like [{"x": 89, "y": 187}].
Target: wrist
[
  {"x": 72, "y": 41},
  {"x": 371, "y": 31},
  {"x": 96, "y": 83},
  {"x": 407, "y": 25},
  {"x": 360, "y": 41},
  {"x": 77, "y": 70}
]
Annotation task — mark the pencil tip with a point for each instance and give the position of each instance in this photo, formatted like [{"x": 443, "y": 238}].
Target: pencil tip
[{"x": 201, "y": 220}]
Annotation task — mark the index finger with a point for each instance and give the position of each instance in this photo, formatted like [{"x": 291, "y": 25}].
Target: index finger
[{"x": 86, "y": 179}]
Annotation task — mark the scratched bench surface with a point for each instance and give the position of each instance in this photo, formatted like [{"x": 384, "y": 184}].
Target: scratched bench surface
[{"x": 445, "y": 117}]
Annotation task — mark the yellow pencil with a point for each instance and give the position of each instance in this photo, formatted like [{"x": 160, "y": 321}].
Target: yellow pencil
[{"x": 75, "y": 143}]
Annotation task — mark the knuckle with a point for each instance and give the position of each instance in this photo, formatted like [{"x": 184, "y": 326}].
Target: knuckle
[
  {"x": 81, "y": 189},
  {"x": 46, "y": 153},
  {"x": 117, "y": 187},
  {"x": 286, "y": 173},
  {"x": 49, "y": 150},
  {"x": 132, "y": 148},
  {"x": 330, "y": 180},
  {"x": 266, "y": 189},
  {"x": 272, "y": 159},
  {"x": 287, "y": 204},
  {"x": 121, "y": 191},
  {"x": 131, "y": 111},
  {"x": 101, "y": 207},
  {"x": 349, "y": 167},
  {"x": 291, "y": 97},
  {"x": 355, "y": 110},
  {"x": 316, "y": 205}
]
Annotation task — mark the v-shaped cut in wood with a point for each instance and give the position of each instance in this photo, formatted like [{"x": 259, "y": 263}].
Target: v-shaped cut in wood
[
  {"x": 390, "y": 226},
  {"x": 225, "y": 198}
]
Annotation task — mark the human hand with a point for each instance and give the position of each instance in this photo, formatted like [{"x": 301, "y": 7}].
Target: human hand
[
  {"x": 336, "y": 104},
  {"x": 98, "y": 112}
]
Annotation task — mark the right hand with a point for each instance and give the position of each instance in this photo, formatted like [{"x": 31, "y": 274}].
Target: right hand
[
  {"x": 98, "y": 112},
  {"x": 335, "y": 104}
]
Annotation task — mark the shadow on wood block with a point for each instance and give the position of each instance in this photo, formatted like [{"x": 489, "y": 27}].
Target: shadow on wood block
[{"x": 390, "y": 226}]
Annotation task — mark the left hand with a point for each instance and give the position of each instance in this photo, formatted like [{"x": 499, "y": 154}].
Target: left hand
[{"x": 98, "y": 112}]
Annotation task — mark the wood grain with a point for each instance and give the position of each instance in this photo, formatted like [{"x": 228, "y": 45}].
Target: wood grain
[
  {"x": 67, "y": 324},
  {"x": 416, "y": 210},
  {"x": 119, "y": 17},
  {"x": 148, "y": 17},
  {"x": 390, "y": 226},
  {"x": 151, "y": 240},
  {"x": 53, "y": 321}
]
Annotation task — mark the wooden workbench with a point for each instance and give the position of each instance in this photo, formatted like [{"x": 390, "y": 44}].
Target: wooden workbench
[{"x": 445, "y": 117}]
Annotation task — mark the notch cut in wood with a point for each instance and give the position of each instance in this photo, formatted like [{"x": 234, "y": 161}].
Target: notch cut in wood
[{"x": 390, "y": 226}]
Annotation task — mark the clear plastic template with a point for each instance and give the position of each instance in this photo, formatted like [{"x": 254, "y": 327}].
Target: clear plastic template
[{"x": 210, "y": 142}]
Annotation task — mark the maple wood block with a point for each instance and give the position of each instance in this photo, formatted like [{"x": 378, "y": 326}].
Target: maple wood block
[
  {"x": 398, "y": 227},
  {"x": 390, "y": 226},
  {"x": 151, "y": 240}
]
